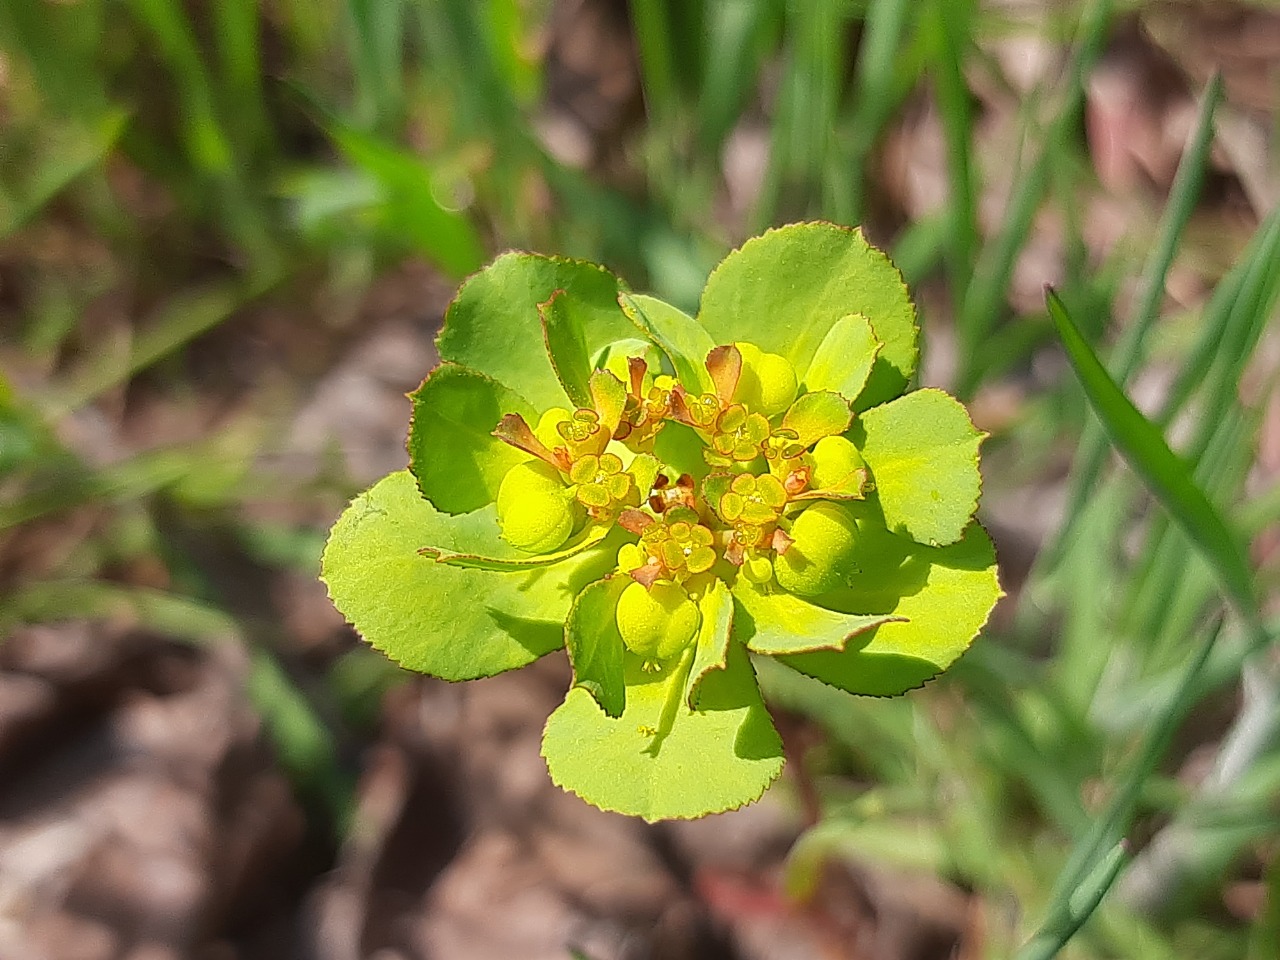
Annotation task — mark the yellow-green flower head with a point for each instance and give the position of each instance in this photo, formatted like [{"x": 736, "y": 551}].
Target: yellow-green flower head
[
  {"x": 674, "y": 547},
  {"x": 694, "y": 492}
]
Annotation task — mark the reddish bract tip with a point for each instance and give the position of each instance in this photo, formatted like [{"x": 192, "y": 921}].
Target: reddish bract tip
[
  {"x": 633, "y": 521},
  {"x": 647, "y": 575},
  {"x": 513, "y": 429},
  {"x": 637, "y": 368},
  {"x": 724, "y": 363},
  {"x": 797, "y": 481}
]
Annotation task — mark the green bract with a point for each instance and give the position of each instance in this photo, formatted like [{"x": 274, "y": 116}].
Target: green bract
[{"x": 666, "y": 497}]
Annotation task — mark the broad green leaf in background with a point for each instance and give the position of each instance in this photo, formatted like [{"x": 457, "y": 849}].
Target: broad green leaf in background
[
  {"x": 923, "y": 453},
  {"x": 415, "y": 610},
  {"x": 943, "y": 595},
  {"x": 493, "y": 326},
  {"x": 595, "y": 646},
  {"x": 677, "y": 334},
  {"x": 458, "y": 462},
  {"x": 783, "y": 291},
  {"x": 844, "y": 358},
  {"x": 660, "y": 760}
]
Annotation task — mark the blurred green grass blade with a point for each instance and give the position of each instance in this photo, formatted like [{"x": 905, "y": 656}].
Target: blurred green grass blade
[
  {"x": 878, "y": 58},
  {"x": 738, "y": 33},
  {"x": 74, "y": 148},
  {"x": 411, "y": 207},
  {"x": 306, "y": 746},
  {"x": 1220, "y": 446},
  {"x": 178, "y": 321},
  {"x": 1085, "y": 582},
  {"x": 376, "y": 50},
  {"x": 1183, "y": 195},
  {"x": 61, "y": 43},
  {"x": 1074, "y": 910},
  {"x": 1233, "y": 809},
  {"x": 921, "y": 247},
  {"x": 1264, "y": 937},
  {"x": 1239, "y": 307},
  {"x": 71, "y": 484},
  {"x": 511, "y": 41},
  {"x": 657, "y": 50},
  {"x": 907, "y": 845},
  {"x": 994, "y": 268},
  {"x": 207, "y": 144},
  {"x": 876, "y": 95},
  {"x": 1017, "y": 732},
  {"x": 1166, "y": 584},
  {"x": 240, "y": 71},
  {"x": 182, "y": 618},
  {"x": 951, "y": 22},
  {"x": 806, "y": 114},
  {"x": 459, "y": 57},
  {"x": 879, "y": 733},
  {"x": 1167, "y": 476},
  {"x": 1097, "y": 857}
]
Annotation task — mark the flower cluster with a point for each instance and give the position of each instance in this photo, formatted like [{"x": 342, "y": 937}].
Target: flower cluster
[{"x": 666, "y": 496}]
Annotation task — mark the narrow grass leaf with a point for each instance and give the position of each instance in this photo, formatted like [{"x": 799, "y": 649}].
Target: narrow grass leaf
[
  {"x": 657, "y": 64},
  {"x": 236, "y": 24},
  {"x": 377, "y": 41},
  {"x": 1091, "y": 454},
  {"x": 994, "y": 269},
  {"x": 413, "y": 208},
  {"x": 1168, "y": 476},
  {"x": 1077, "y": 908},
  {"x": 953, "y": 28},
  {"x": 738, "y": 35},
  {"x": 1236, "y": 298},
  {"x": 1098, "y": 856},
  {"x": 207, "y": 143}
]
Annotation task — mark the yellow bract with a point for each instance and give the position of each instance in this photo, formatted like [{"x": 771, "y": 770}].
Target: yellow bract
[{"x": 767, "y": 384}]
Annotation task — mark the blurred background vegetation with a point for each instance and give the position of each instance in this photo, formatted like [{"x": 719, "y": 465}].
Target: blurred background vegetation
[{"x": 228, "y": 230}]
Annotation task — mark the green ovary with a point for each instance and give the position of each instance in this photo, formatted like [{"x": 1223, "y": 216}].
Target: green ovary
[
  {"x": 656, "y": 622},
  {"x": 536, "y": 512},
  {"x": 768, "y": 381},
  {"x": 821, "y": 555},
  {"x": 834, "y": 460}
]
